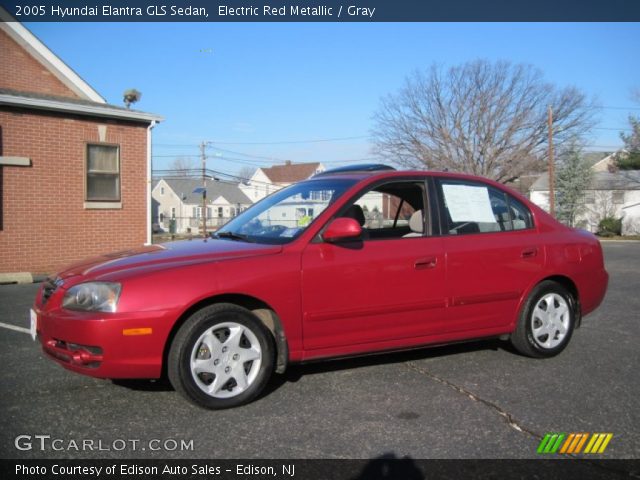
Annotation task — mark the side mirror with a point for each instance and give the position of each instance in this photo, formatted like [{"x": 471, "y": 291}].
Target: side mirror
[{"x": 341, "y": 229}]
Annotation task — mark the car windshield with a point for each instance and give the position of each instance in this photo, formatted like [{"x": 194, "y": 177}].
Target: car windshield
[{"x": 284, "y": 215}]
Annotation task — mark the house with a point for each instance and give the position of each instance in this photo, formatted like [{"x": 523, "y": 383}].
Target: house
[
  {"x": 265, "y": 181},
  {"x": 606, "y": 164},
  {"x": 611, "y": 194},
  {"x": 631, "y": 217},
  {"x": 75, "y": 171},
  {"x": 174, "y": 201}
]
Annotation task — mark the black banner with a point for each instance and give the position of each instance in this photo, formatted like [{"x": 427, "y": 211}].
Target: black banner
[
  {"x": 379, "y": 468},
  {"x": 322, "y": 10}
]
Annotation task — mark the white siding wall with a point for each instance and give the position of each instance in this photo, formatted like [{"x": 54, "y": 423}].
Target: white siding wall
[
  {"x": 259, "y": 186},
  {"x": 631, "y": 213},
  {"x": 601, "y": 204},
  {"x": 167, "y": 201}
]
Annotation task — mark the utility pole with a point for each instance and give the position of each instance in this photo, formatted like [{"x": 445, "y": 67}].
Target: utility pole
[
  {"x": 552, "y": 195},
  {"x": 204, "y": 189}
]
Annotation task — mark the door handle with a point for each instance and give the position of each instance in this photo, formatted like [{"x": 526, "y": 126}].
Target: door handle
[
  {"x": 424, "y": 263},
  {"x": 529, "y": 252}
]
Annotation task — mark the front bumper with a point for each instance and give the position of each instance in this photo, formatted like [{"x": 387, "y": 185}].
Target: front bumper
[{"x": 105, "y": 345}]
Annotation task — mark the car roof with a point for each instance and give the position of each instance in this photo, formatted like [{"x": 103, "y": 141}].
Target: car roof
[{"x": 354, "y": 173}]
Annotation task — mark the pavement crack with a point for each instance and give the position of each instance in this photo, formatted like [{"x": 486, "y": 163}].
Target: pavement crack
[
  {"x": 513, "y": 422},
  {"x": 510, "y": 419}
]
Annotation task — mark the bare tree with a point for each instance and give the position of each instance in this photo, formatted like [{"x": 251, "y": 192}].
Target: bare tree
[
  {"x": 183, "y": 167},
  {"x": 245, "y": 173},
  {"x": 602, "y": 207},
  {"x": 484, "y": 118},
  {"x": 629, "y": 157}
]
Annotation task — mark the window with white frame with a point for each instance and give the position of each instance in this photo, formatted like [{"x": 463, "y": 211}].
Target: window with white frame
[{"x": 103, "y": 173}]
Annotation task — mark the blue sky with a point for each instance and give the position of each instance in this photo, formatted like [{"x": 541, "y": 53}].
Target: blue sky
[{"x": 238, "y": 84}]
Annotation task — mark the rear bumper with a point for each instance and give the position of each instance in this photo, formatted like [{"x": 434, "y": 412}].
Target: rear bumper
[
  {"x": 128, "y": 345},
  {"x": 592, "y": 289}
]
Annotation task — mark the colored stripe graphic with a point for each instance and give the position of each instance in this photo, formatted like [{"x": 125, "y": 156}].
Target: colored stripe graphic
[
  {"x": 556, "y": 445},
  {"x": 543, "y": 443},
  {"x": 577, "y": 441},
  {"x": 580, "y": 444},
  {"x": 572, "y": 443},
  {"x": 567, "y": 443},
  {"x": 551, "y": 442},
  {"x": 598, "y": 443}
]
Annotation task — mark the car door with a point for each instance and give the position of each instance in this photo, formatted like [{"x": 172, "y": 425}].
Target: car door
[
  {"x": 379, "y": 291},
  {"x": 493, "y": 254}
]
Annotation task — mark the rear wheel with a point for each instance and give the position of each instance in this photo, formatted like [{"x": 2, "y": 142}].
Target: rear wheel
[
  {"x": 546, "y": 321},
  {"x": 222, "y": 357}
]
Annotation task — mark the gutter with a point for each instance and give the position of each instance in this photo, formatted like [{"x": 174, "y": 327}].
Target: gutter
[
  {"x": 149, "y": 180},
  {"x": 77, "y": 108}
]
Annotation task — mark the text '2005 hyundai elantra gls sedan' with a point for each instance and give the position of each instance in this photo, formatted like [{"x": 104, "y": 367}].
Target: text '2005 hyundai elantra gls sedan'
[{"x": 352, "y": 261}]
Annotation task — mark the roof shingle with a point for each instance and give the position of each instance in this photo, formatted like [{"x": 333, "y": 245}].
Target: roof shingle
[
  {"x": 291, "y": 172},
  {"x": 621, "y": 180},
  {"x": 215, "y": 189}
]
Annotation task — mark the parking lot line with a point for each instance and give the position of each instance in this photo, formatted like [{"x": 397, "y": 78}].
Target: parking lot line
[{"x": 13, "y": 327}]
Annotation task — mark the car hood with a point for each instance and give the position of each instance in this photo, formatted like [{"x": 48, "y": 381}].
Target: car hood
[{"x": 167, "y": 255}]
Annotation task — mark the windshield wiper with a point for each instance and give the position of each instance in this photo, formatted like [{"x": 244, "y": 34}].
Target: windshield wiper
[{"x": 234, "y": 236}]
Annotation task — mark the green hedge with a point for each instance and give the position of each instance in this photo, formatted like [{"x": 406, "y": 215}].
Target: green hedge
[{"x": 610, "y": 226}]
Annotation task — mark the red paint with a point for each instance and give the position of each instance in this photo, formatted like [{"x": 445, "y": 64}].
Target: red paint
[{"x": 342, "y": 229}]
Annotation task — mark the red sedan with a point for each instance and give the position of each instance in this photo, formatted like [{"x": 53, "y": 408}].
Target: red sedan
[{"x": 352, "y": 261}]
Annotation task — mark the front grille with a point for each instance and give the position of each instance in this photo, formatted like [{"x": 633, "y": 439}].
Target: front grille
[
  {"x": 49, "y": 287},
  {"x": 75, "y": 354}
]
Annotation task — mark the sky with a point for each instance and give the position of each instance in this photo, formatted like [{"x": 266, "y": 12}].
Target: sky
[{"x": 263, "y": 93}]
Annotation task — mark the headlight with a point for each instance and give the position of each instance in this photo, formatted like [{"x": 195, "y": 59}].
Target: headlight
[{"x": 92, "y": 297}]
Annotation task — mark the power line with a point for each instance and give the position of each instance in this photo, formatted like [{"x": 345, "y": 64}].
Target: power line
[
  {"x": 279, "y": 142},
  {"x": 196, "y": 174},
  {"x": 252, "y": 155},
  {"x": 607, "y": 107},
  {"x": 261, "y": 163},
  {"x": 285, "y": 142},
  {"x": 613, "y": 128}
]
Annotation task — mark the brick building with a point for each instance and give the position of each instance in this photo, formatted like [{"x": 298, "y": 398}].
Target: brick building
[{"x": 75, "y": 172}]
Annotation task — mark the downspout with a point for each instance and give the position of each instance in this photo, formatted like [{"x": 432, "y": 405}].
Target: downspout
[{"x": 149, "y": 180}]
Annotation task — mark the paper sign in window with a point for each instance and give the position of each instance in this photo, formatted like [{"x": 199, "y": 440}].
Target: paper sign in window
[{"x": 468, "y": 204}]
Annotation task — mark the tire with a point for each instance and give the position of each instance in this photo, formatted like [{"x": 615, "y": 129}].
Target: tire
[
  {"x": 546, "y": 321},
  {"x": 221, "y": 357}
]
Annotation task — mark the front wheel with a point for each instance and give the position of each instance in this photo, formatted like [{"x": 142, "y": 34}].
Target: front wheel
[
  {"x": 546, "y": 321},
  {"x": 222, "y": 357}
]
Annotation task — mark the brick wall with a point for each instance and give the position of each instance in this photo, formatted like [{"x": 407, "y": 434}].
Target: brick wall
[
  {"x": 20, "y": 71},
  {"x": 45, "y": 225}
]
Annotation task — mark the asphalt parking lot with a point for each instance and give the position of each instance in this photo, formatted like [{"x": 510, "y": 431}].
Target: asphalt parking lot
[{"x": 476, "y": 400}]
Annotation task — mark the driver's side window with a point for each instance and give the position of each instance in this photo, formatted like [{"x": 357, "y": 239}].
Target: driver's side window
[{"x": 390, "y": 210}]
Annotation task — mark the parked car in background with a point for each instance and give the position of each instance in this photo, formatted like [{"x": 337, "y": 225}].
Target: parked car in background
[{"x": 352, "y": 261}]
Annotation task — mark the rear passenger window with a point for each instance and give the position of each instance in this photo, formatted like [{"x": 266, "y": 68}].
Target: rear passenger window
[
  {"x": 476, "y": 208},
  {"x": 520, "y": 214}
]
